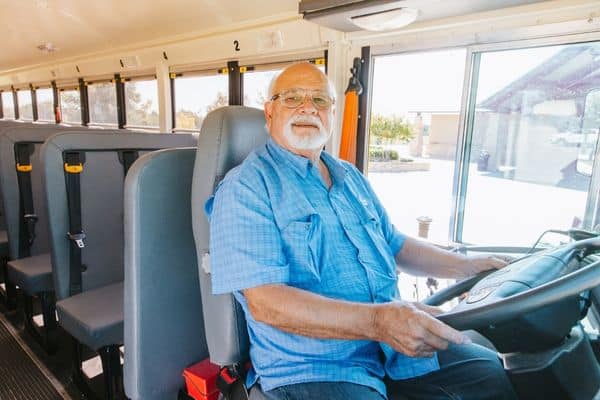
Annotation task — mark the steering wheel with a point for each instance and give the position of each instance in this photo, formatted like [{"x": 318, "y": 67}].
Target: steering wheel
[{"x": 528, "y": 305}]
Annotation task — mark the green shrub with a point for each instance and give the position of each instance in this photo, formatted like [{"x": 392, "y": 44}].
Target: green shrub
[
  {"x": 377, "y": 153},
  {"x": 391, "y": 129}
]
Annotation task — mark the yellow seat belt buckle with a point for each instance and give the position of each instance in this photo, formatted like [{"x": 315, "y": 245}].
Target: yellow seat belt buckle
[
  {"x": 24, "y": 167},
  {"x": 73, "y": 169}
]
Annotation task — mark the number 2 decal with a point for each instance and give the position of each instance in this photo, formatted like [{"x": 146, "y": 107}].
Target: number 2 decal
[{"x": 236, "y": 45}]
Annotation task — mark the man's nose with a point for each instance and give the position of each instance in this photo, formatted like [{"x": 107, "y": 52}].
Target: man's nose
[{"x": 307, "y": 106}]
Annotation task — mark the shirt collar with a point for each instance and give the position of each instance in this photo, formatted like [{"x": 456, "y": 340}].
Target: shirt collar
[
  {"x": 302, "y": 165},
  {"x": 298, "y": 163}
]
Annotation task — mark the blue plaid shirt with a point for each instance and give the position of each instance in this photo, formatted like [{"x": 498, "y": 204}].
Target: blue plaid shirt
[{"x": 273, "y": 220}]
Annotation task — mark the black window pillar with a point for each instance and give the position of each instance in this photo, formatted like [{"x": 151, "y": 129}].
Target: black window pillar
[
  {"x": 236, "y": 91},
  {"x": 362, "y": 131},
  {"x": 15, "y": 103},
  {"x": 83, "y": 97},
  {"x": 55, "y": 103},
  {"x": 34, "y": 106},
  {"x": 1, "y": 106},
  {"x": 172, "y": 77},
  {"x": 121, "y": 111}
]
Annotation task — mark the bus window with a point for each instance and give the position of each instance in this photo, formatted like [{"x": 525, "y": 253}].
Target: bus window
[
  {"x": 412, "y": 142},
  {"x": 25, "y": 105},
  {"x": 70, "y": 106},
  {"x": 8, "y": 108},
  {"x": 141, "y": 105},
  {"x": 526, "y": 134},
  {"x": 102, "y": 98},
  {"x": 196, "y": 95},
  {"x": 256, "y": 85},
  {"x": 45, "y": 104}
]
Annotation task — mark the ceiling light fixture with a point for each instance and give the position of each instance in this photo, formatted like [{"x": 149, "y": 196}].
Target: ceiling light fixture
[{"x": 386, "y": 20}]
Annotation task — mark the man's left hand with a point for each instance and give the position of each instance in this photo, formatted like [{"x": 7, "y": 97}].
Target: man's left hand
[{"x": 483, "y": 262}]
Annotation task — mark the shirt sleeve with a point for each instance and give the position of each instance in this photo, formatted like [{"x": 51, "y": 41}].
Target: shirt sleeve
[
  {"x": 245, "y": 243},
  {"x": 393, "y": 237}
]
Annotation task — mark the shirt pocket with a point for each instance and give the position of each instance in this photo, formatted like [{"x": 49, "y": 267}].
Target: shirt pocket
[
  {"x": 301, "y": 239},
  {"x": 381, "y": 258}
]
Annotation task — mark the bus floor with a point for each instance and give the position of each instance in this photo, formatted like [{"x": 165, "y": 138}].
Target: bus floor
[{"x": 51, "y": 373}]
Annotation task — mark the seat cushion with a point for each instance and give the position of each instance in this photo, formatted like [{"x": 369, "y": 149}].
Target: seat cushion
[
  {"x": 3, "y": 244},
  {"x": 94, "y": 317},
  {"x": 32, "y": 274}
]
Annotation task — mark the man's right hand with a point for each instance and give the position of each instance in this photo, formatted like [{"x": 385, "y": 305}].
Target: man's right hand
[{"x": 410, "y": 329}]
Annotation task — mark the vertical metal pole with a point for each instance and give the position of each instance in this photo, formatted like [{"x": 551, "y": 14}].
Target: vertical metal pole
[
  {"x": 34, "y": 105},
  {"x": 236, "y": 93},
  {"x": 173, "y": 112},
  {"x": 15, "y": 102},
  {"x": 56, "y": 103},
  {"x": 121, "y": 112},
  {"x": 363, "y": 105},
  {"x": 85, "y": 108},
  {"x": 461, "y": 172}
]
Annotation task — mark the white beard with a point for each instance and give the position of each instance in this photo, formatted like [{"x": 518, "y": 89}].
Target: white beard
[{"x": 306, "y": 142}]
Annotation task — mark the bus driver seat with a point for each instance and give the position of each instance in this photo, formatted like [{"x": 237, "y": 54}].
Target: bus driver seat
[{"x": 228, "y": 135}]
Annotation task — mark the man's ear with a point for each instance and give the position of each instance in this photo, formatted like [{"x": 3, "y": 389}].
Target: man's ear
[{"x": 268, "y": 113}]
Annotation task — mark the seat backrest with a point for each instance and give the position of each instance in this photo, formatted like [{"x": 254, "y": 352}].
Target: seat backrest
[
  {"x": 101, "y": 194},
  {"x": 4, "y": 125},
  {"x": 228, "y": 135},
  {"x": 11, "y": 137},
  {"x": 164, "y": 328}
]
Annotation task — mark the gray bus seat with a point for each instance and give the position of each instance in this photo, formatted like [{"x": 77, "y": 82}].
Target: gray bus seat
[
  {"x": 7, "y": 295},
  {"x": 33, "y": 274},
  {"x": 94, "y": 316},
  {"x": 164, "y": 328},
  {"x": 30, "y": 267},
  {"x": 228, "y": 135}
]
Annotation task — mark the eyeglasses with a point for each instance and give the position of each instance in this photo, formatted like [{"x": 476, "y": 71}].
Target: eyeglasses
[{"x": 294, "y": 98}]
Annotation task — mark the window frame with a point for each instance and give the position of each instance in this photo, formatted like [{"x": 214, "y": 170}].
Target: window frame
[
  {"x": 204, "y": 72},
  {"x": 105, "y": 125},
  {"x": 460, "y": 175},
  {"x": 124, "y": 81},
  {"x": 466, "y": 121},
  {"x": 36, "y": 88}
]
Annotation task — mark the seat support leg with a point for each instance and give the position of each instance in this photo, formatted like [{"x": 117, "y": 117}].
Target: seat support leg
[
  {"x": 46, "y": 337},
  {"x": 10, "y": 292},
  {"x": 112, "y": 371},
  {"x": 79, "y": 378},
  {"x": 48, "y": 304}
]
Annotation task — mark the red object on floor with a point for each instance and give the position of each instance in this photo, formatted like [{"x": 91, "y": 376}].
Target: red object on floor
[{"x": 201, "y": 380}]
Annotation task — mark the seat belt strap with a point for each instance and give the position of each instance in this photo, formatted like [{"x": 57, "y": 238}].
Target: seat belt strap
[
  {"x": 23, "y": 152},
  {"x": 127, "y": 157},
  {"x": 73, "y": 167}
]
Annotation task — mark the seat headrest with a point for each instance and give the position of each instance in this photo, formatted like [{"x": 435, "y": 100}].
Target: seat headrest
[{"x": 227, "y": 136}]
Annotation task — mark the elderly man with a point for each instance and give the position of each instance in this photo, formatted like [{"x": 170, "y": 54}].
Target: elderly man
[{"x": 304, "y": 244}]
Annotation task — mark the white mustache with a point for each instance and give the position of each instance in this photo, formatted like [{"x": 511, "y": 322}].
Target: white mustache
[
  {"x": 306, "y": 119},
  {"x": 308, "y": 142}
]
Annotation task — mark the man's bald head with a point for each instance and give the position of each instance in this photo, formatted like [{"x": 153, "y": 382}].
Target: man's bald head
[{"x": 305, "y": 73}]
